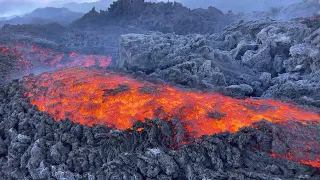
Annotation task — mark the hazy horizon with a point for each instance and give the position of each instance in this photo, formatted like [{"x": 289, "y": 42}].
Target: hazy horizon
[{"x": 19, "y": 7}]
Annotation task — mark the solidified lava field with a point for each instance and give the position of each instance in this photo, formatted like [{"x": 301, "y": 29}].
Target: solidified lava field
[{"x": 111, "y": 96}]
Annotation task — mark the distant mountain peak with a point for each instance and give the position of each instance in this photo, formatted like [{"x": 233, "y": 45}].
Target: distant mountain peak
[{"x": 46, "y": 15}]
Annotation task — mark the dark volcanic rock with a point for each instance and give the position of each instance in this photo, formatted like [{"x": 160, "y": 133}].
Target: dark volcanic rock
[
  {"x": 272, "y": 59},
  {"x": 186, "y": 60}
]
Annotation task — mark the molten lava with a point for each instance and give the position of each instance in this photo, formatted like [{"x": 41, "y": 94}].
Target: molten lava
[
  {"x": 88, "y": 60},
  {"x": 312, "y": 22},
  {"x": 91, "y": 96},
  {"x": 313, "y": 18},
  {"x": 31, "y": 56},
  {"x": 314, "y": 163}
]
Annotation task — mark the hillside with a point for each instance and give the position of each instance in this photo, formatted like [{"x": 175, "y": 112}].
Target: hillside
[
  {"x": 44, "y": 16},
  {"x": 164, "y": 17}
]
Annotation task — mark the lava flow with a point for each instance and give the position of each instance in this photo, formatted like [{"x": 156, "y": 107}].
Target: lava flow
[
  {"x": 90, "y": 96},
  {"x": 21, "y": 61},
  {"x": 31, "y": 56},
  {"x": 313, "y": 18}
]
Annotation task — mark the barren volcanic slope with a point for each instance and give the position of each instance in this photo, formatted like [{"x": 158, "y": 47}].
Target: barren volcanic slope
[{"x": 239, "y": 104}]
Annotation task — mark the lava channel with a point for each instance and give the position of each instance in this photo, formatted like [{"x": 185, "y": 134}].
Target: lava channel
[{"x": 91, "y": 96}]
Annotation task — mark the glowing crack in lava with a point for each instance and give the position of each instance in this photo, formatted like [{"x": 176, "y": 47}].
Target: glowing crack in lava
[
  {"x": 91, "y": 96},
  {"x": 297, "y": 142}
]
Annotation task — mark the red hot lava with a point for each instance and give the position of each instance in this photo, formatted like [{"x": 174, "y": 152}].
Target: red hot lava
[
  {"x": 54, "y": 59},
  {"x": 33, "y": 56},
  {"x": 22, "y": 62},
  {"x": 88, "y": 60},
  {"x": 301, "y": 142},
  {"x": 313, "y": 18},
  {"x": 91, "y": 96},
  {"x": 95, "y": 97}
]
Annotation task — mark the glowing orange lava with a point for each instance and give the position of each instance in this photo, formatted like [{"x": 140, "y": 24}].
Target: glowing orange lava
[
  {"x": 90, "y": 96},
  {"x": 301, "y": 141},
  {"x": 54, "y": 59},
  {"x": 304, "y": 160},
  {"x": 30, "y": 56},
  {"x": 22, "y": 62},
  {"x": 312, "y": 18}
]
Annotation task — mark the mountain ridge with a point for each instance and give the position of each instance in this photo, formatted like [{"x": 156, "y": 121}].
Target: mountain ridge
[
  {"x": 161, "y": 16},
  {"x": 45, "y": 15}
]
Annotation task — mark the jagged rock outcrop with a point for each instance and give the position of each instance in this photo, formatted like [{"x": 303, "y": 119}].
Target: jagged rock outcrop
[
  {"x": 186, "y": 60},
  {"x": 272, "y": 59}
]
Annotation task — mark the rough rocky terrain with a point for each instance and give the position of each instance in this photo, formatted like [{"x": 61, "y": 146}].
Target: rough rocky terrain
[
  {"x": 34, "y": 146},
  {"x": 265, "y": 58},
  {"x": 61, "y": 39},
  {"x": 57, "y": 39}
]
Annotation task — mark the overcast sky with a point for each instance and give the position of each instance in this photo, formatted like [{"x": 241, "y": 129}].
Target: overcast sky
[{"x": 18, "y": 7}]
